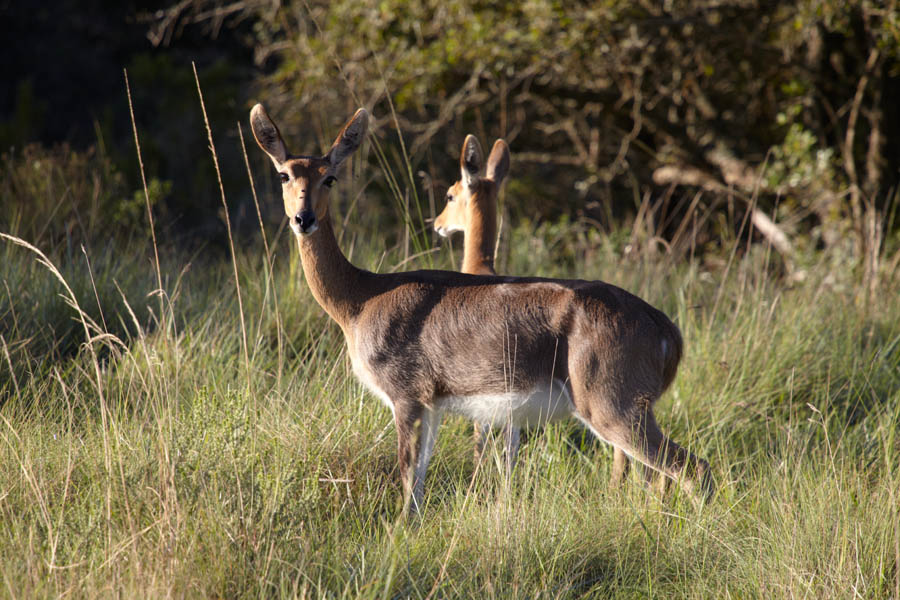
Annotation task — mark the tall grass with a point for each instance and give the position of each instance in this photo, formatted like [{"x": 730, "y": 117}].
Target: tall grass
[{"x": 138, "y": 460}]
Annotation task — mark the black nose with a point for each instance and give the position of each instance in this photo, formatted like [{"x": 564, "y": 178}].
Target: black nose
[{"x": 306, "y": 219}]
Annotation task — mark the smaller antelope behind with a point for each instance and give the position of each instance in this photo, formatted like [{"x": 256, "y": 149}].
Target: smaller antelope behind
[
  {"x": 472, "y": 205},
  {"x": 472, "y": 209},
  {"x": 499, "y": 350}
]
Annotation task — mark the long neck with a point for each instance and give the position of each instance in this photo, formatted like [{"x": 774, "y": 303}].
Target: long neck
[
  {"x": 334, "y": 282},
  {"x": 481, "y": 233}
]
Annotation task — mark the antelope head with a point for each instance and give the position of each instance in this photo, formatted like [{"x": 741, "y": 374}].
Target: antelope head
[
  {"x": 473, "y": 192},
  {"x": 306, "y": 180}
]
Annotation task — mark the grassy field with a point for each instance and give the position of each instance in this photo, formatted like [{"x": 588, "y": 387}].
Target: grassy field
[{"x": 178, "y": 454}]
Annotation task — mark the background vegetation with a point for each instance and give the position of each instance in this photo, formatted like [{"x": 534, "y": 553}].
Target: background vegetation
[{"x": 180, "y": 419}]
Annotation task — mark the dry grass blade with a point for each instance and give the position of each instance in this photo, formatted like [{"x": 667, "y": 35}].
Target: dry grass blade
[
  {"x": 12, "y": 372},
  {"x": 104, "y": 410},
  {"x": 137, "y": 145},
  {"x": 269, "y": 273},
  {"x": 237, "y": 282}
]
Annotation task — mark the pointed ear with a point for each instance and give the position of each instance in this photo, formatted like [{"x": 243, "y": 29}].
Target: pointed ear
[
  {"x": 498, "y": 162},
  {"x": 267, "y": 135},
  {"x": 470, "y": 160},
  {"x": 349, "y": 139}
]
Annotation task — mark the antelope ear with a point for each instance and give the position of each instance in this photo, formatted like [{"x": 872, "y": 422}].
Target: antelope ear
[
  {"x": 267, "y": 135},
  {"x": 349, "y": 139},
  {"x": 470, "y": 160},
  {"x": 498, "y": 162}
]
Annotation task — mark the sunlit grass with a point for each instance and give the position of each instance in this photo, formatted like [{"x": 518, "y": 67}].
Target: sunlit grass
[
  {"x": 191, "y": 484},
  {"x": 208, "y": 439}
]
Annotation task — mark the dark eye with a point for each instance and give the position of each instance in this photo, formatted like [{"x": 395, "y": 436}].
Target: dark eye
[
  {"x": 284, "y": 177},
  {"x": 449, "y": 197},
  {"x": 329, "y": 181}
]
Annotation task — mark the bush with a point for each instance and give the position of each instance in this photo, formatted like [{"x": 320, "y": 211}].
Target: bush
[
  {"x": 607, "y": 102},
  {"x": 59, "y": 197}
]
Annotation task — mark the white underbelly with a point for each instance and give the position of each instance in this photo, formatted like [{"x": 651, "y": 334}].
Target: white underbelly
[{"x": 522, "y": 409}]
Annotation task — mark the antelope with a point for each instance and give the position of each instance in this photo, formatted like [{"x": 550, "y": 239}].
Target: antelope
[
  {"x": 472, "y": 205},
  {"x": 517, "y": 350},
  {"x": 472, "y": 209}
]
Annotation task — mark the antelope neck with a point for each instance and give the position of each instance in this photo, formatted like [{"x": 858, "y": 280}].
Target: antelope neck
[
  {"x": 334, "y": 282},
  {"x": 481, "y": 233}
]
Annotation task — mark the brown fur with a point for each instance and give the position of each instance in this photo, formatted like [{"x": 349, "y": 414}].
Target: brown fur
[
  {"x": 420, "y": 338},
  {"x": 472, "y": 208}
]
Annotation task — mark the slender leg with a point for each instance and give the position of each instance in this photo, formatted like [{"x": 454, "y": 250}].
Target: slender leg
[
  {"x": 620, "y": 468},
  {"x": 405, "y": 418},
  {"x": 512, "y": 435},
  {"x": 430, "y": 422},
  {"x": 656, "y": 481},
  {"x": 640, "y": 437},
  {"x": 654, "y": 449}
]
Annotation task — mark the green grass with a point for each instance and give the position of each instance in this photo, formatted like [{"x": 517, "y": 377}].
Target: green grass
[{"x": 151, "y": 463}]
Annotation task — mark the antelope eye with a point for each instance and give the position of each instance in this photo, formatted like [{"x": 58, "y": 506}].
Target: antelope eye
[
  {"x": 449, "y": 197},
  {"x": 329, "y": 181},
  {"x": 284, "y": 177}
]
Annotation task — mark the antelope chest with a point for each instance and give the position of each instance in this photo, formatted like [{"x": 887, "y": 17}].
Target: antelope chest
[{"x": 521, "y": 408}]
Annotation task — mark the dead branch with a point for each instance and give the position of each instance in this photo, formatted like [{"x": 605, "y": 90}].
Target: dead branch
[{"x": 694, "y": 177}]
